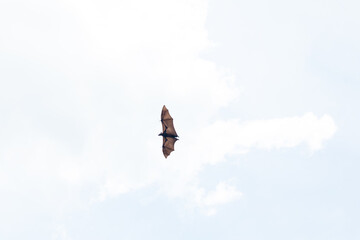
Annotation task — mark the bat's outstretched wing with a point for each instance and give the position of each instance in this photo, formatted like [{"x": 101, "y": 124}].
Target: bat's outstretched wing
[
  {"x": 167, "y": 122},
  {"x": 168, "y": 145}
]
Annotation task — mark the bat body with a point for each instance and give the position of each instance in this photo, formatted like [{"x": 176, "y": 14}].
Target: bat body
[{"x": 169, "y": 134}]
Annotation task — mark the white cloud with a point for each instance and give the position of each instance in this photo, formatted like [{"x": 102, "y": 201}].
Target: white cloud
[{"x": 268, "y": 134}]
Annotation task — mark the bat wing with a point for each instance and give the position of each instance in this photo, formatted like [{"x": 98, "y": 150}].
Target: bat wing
[
  {"x": 168, "y": 145},
  {"x": 167, "y": 122}
]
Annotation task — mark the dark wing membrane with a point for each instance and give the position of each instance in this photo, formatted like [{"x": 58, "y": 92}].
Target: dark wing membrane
[
  {"x": 167, "y": 122},
  {"x": 168, "y": 145}
]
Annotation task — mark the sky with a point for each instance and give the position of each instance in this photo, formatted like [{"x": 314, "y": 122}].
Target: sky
[{"x": 263, "y": 96}]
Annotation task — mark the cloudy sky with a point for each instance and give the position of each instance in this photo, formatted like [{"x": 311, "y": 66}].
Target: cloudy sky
[{"x": 263, "y": 95}]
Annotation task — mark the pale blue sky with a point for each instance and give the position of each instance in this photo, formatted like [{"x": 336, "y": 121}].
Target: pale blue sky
[{"x": 263, "y": 94}]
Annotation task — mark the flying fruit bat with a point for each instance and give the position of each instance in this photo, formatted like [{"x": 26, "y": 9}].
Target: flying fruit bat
[{"x": 169, "y": 134}]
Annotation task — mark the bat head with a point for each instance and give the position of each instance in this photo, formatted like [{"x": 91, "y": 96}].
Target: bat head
[{"x": 160, "y": 134}]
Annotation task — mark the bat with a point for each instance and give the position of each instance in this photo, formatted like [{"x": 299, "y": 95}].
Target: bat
[{"x": 169, "y": 134}]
